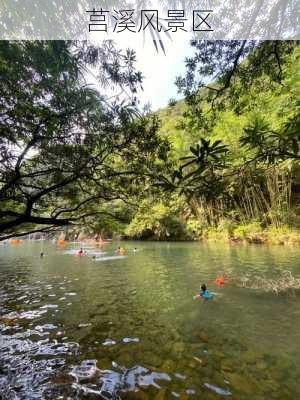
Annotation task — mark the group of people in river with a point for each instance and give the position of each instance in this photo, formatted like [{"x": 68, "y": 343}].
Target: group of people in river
[
  {"x": 204, "y": 293},
  {"x": 119, "y": 250}
]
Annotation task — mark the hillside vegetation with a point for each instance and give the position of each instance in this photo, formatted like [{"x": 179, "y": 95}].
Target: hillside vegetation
[
  {"x": 223, "y": 163},
  {"x": 236, "y": 163}
]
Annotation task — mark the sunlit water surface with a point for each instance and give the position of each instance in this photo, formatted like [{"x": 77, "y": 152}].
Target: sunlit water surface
[{"x": 128, "y": 327}]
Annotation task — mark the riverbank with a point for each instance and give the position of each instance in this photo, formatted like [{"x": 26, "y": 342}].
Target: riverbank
[
  {"x": 254, "y": 233},
  {"x": 251, "y": 233}
]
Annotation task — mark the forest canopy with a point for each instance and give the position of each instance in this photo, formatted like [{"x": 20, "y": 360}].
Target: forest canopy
[
  {"x": 222, "y": 162},
  {"x": 64, "y": 146}
]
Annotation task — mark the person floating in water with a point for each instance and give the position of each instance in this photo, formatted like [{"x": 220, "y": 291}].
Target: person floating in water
[
  {"x": 42, "y": 255},
  {"x": 81, "y": 252},
  {"x": 120, "y": 250},
  {"x": 204, "y": 293}
]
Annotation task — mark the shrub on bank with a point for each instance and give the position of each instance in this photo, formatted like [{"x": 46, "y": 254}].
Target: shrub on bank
[
  {"x": 252, "y": 232},
  {"x": 283, "y": 235}
]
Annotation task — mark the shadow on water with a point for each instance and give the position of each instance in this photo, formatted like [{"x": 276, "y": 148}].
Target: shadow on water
[{"x": 128, "y": 328}]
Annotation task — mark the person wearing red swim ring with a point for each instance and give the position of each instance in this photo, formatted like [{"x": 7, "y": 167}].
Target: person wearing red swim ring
[{"x": 220, "y": 280}]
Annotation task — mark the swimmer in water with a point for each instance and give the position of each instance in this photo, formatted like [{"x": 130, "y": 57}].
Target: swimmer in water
[
  {"x": 80, "y": 252},
  {"x": 204, "y": 293},
  {"x": 120, "y": 250},
  {"x": 42, "y": 255}
]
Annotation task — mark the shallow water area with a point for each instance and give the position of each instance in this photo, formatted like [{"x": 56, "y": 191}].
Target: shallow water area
[{"x": 129, "y": 328}]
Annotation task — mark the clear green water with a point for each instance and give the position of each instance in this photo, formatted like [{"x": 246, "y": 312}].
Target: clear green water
[{"x": 244, "y": 343}]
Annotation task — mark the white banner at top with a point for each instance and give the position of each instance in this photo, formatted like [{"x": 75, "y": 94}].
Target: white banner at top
[{"x": 158, "y": 21}]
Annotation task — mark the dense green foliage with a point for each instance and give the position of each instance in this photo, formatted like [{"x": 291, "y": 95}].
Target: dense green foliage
[
  {"x": 241, "y": 179},
  {"x": 223, "y": 163},
  {"x": 66, "y": 150}
]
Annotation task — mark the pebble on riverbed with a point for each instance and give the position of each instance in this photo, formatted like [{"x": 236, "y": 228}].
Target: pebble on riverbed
[{"x": 84, "y": 325}]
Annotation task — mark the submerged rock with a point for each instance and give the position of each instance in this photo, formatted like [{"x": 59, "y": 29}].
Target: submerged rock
[
  {"x": 84, "y": 325},
  {"x": 218, "y": 390},
  {"x": 131, "y": 340},
  {"x": 109, "y": 342},
  {"x": 86, "y": 370}
]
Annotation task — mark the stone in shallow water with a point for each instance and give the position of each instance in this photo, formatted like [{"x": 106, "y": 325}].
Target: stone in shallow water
[
  {"x": 109, "y": 342},
  {"x": 86, "y": 370},
  {"x": 110, "y": 383},
  {"x": 45, "y": 327},
  {"x": 190, "y": 392},
  {"x": 10, "y": 317},
  {"x": 179, "y": 376},
  {"x": 49, "y": 306},
  {"x": 131, "y": 340},
  {"x": 84, "y": 325},
  {"x": 218, "y": 390}
]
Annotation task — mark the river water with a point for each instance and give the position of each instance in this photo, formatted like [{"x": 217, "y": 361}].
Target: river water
[{"x": 127, "y": 327}]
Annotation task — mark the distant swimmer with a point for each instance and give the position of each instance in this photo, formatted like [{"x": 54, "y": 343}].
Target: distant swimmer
[
  {"x": 135, "y": 250},
  {"x": 204, "y": 293},
  {"x": 42, "y": 255},
  {"x": 120, "y": 250},
  {"x": 81, "y": 252}
]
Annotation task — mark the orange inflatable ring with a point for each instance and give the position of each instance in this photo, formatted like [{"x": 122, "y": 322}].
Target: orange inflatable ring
[
  {"x": 15, "y": 241},
  {"x": 220, "y": 281}
]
